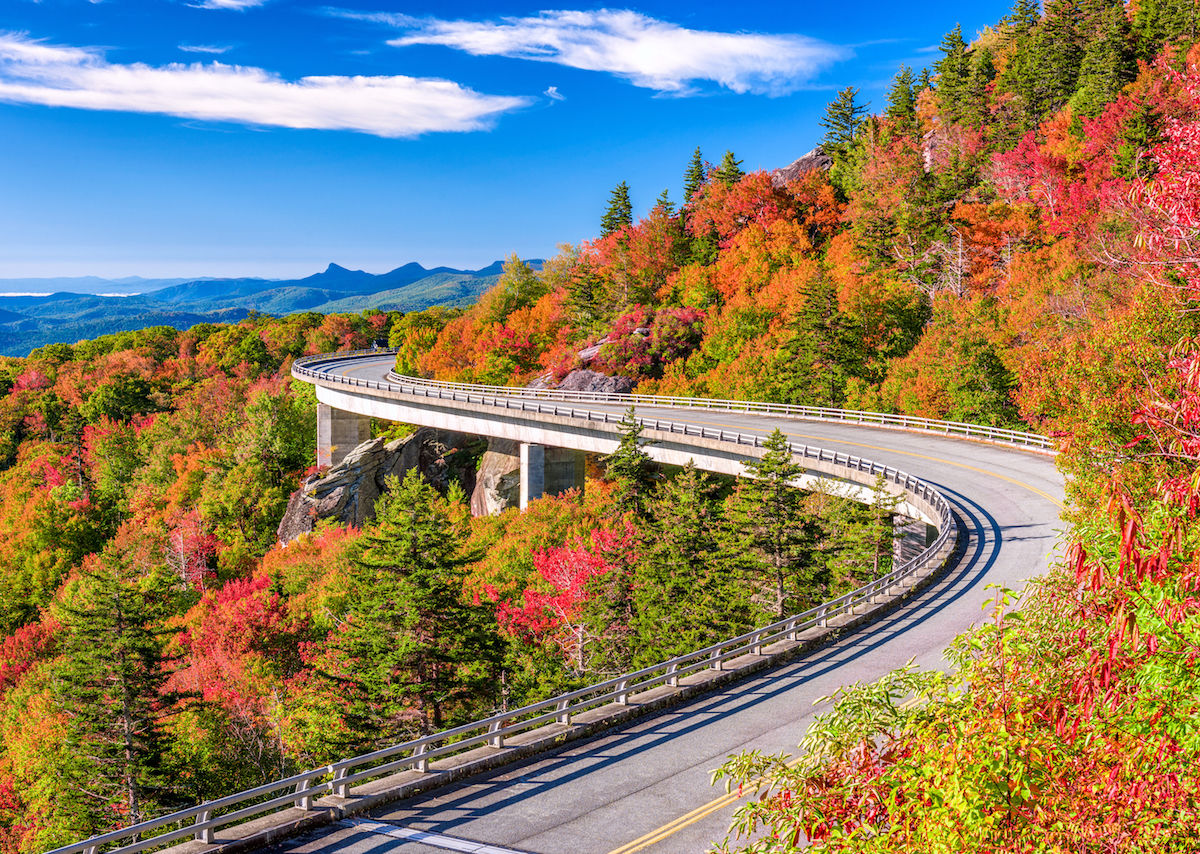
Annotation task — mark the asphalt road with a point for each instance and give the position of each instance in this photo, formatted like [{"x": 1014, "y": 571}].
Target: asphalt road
[{"x": 646, "y": 787}]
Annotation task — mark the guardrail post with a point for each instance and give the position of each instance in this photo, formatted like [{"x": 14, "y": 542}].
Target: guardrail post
[
  {"x": 304, "y": 802},
  {"x": 823, "y": 617},
  {"x": 673, "y": 675},
  {"x": 422, "y": 764},
  {"x": 497, "y": 739},
  {"x": 339, "y": 788},
  {"x": 622, "y": 694},
  {"x": 564, "y": 716},
  {"x": 203, "y": 834},
  {"x": 756, "y": 644},
  {"x": 715, "y": 659}
]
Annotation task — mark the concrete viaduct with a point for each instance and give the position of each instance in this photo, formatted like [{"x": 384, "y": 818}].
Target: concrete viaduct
[{"x": 624, "y": 765}]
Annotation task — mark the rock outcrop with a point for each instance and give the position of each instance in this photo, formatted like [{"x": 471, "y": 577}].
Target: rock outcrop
[
  {"x": 349, "y": 490},
  {"x": 815, "y": 159},
  {"x": 585, "y": 380},
  {"x": 498, "y": 481}
]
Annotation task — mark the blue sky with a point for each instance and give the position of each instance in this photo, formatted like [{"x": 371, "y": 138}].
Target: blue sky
[{"x": 270, "y": 137}]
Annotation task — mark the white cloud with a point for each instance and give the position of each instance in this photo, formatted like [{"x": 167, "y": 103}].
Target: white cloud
[
  {"x": 649, "y": 53},
  {"x": 553, "y": 93},
  {"x": 34, "y": 72},
  {"x": 237, "y": 5},
  {"x": 204, "y": 48}
]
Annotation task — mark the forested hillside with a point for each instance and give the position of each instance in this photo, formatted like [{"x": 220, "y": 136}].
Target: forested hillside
[{"x": 1008, "y": 240}]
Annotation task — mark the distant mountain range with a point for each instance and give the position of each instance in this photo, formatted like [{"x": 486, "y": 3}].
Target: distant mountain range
[{"x": 36, "y": 312}]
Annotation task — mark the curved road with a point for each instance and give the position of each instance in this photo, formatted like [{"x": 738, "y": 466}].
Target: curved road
[{"x": 646, "y": 786}]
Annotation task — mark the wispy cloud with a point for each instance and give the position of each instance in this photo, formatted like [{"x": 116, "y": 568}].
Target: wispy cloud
[
  {"x": 648, "y": 52},
  {"x": 33, "y": 72},
  {"x": 204, "y": 48},
  {"x": 553, "y": 94},
  {"x": 236, "y": 5}
]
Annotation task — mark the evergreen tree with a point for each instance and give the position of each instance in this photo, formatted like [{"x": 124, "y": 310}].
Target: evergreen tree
[
  {"x": 857, "y": 541},
  {"x": 109, "y": 686},
  {"x": 974, "y": 110},
  {"x": 411, "y": 657},
  {"x": 663, "y": 203},
  {"x": 902, "y": 99},
  {"x": 730, "y": 170},
  {"x": 1056, "y": 52},
  {"x": 694, "y": 177},
  {"x": 1108, "y": 61},
  {"x": 631, "y": 468},
  {"x": 924, "y": 81},
  {"x": 1024, "y": 17},
  {"x": 770, "y": 535},
  {"x": 620, "y": 211},
  {"x": 952, "y": 71},
  {"x": 843, "y": 118},
  {"x": 685, "y": 596},
  {"x": 1157, "y": 22}
]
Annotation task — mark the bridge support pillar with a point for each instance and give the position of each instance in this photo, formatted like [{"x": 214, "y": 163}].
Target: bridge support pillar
[
  {"x": 910, "y": 537},
  {"x": 549, "y": 471},
  {"x": 338, "y": 433}
]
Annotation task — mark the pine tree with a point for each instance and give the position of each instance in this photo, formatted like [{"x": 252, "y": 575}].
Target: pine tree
[
  {"x": 924, "y": 80},
  {"x": 620, "y": 211},
  {"x": 770, "y": 535},
  {"x": 663, "y": 203},
  {"x": 952, "y": 71},
  {"x": 685, "y": 596},
  {"x": 902, "y": 99},
  {"x": 631, "y": 468},
  {"x": 730, "y": 170},
  {"x": 411, "y": 657},
  {"x": 109, "y": 685},
  {"x": 694, "y": 177}
]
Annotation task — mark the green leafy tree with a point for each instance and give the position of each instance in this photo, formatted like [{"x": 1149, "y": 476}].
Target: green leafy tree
[
  {"x": 771, "y": 535},
  {"x": 619, "y": 213},
  {"x": 411, "y": 656}
]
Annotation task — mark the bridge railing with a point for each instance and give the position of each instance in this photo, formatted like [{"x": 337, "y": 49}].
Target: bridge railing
[
  {"x": 1018, "y": 438},
  {"x": 339, "y": 778}
]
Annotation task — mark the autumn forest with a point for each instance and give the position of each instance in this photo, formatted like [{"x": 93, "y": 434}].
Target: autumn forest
[{"x": 1008, "y": 240}]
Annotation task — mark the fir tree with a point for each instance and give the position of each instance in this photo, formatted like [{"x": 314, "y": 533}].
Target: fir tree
[
  {"x": 770, "y": 535},
  {"x": 974, "y": 109},
  {"x": 411, "y": 657},
  {"x": 694, "y": 177},
  {"x": 109, "y": 686},
  {"x": 902, "y": 99},
  {"x": 843, "y": 118},
  {"x": 620, "y": 211},
  {"x": 730, "y": 170},
  {"x": 1056, "y": 52},
  {"x": 952, "y": 71},
  {"x": 663, "y": 203},
  {"x": 1024, "y": 17},
  {"x": 1108, "y": 61},
  {"x": 857, "y": 542},
  {"x": 924, "y": 80},
  {"x": 685, "y": 597},
  {"x": 631, "y": 468}
]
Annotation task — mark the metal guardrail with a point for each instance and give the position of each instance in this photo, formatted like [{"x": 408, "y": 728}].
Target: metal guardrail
[
  {"x": 1018, "y": 438},
  {"x": 300, "y": 790}
]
